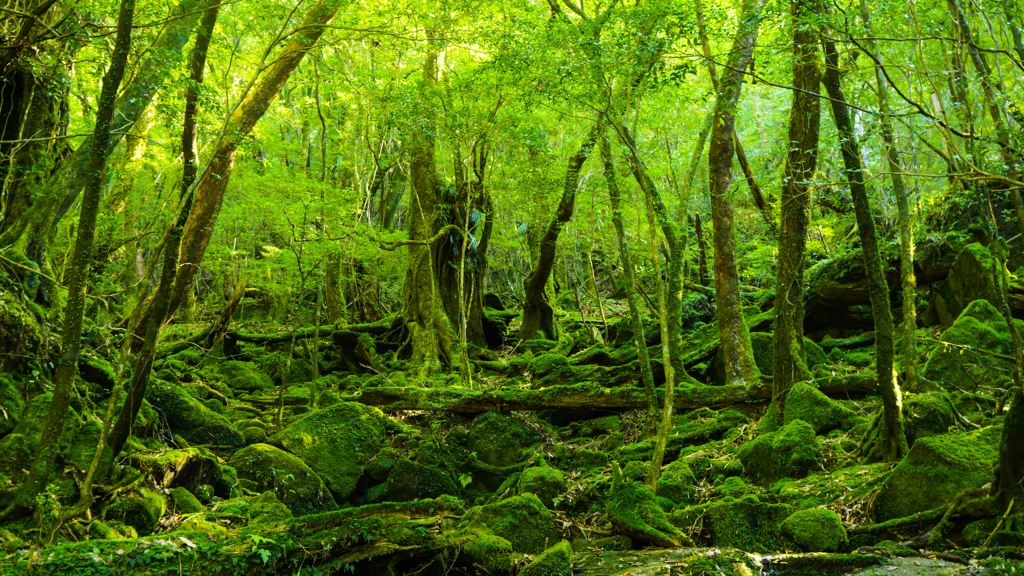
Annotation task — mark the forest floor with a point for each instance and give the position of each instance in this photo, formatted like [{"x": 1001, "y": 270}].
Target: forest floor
[{"x": 536, "y": 466}]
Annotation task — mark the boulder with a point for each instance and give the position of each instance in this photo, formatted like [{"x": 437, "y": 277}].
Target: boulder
[
  {"x": 807, "y": 403},
  {"x": 244, "y": 376},
  {"x": 677, "y": 483},
  {"x": 408, "y": 480},
  {"x": 267, "y": 467},
  {"x": 555, "y": 561},
  {"x": 543, "y": 481},
  {"x": 936, "y": 470},
  {"x": 815, "y": 530},
  {"x": 18, "y": 448},
  {"x": 141, "y": 511},
  {"x": 190, "y": 467},
  {"x": 500, "y": 439},
  {"x": 927, "y": 415},
  {"x": 188, "y": 417},
  {"x": 747, "y": 524},
  {"x": 971, "y": 279},
  {"x": 791, "y": 452},
  {"x": 521, "y": 520},
  {"x": 337, "y": 443},
  {"x": 635, "y": 512},
  {"x": 964, "y": 361},
  {"x": 185, "y": 502}
]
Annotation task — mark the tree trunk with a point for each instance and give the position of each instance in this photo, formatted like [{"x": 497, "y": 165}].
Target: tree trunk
[
  {"x": 887, "y": 440},
  {"x": 209, "y": 190},
  {"x": 739, "y": 355},
  {"x": 629, "y": 282},
  {"x": 538, "y": 316},
  {"x": 788, "y": 365},
  {"x": 71, "y": 341},
  {"x": 908, "y": 281}
]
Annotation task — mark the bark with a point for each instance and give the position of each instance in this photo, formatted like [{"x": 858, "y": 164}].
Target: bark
[
  {"x": 702, "y": 252},
  {"x": 209, "y": 190},
  {"x": 738, "y": 352},
  {"x": 67, "y": 367},
  {"x": 626, "y": 259},
  {"x": 197, "y": 68},
  {"x": 538, "y": 316},
  {"x": 788, "y": 365},
  {"x": 908, "y": 281},
  {"x": 887, "y": 440},
  {"x": 334, "y": 298}
]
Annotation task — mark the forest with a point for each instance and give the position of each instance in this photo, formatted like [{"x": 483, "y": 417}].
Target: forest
[{"x": 549, "y": 288}]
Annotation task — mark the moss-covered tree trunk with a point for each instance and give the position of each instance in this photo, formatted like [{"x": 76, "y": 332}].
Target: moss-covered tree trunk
[
  {"x": 538, "y": 315},
  {"x": 740, "y": 368},
  {"x": 908, "y": 281},
  {"x": 886, "y": 440},
  {"x": 71, "y": 340},
  {"x": 629, "y": 286},
  {"x": 788, "y": 365}
]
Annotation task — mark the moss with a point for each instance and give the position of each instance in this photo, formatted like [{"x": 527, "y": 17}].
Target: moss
[
  {"x": 635, "y": 470},
  {"x": 936, "y": 470},
  {"x": 555, "y": 561},
  {"x": 267, "y": 467},
  {"x": 196, "y": 423},
  {"x": 484, "y": 548},
  {"x": 791, "y": 452},
  {"x": 141, "y": 511},
  {"x": 747, "y": 524},
  {"x": 543, "y": 481},
  {"x": 764, "y": 349},
  {"x": 184, "y": 501},
  {"x": 11, "y": 404},
  {"x": 971, "y": 279},
  {"x": 337, "y": 443},
  {"x": 521, "y": 520},
  {"x": 928, "y": 415},
  {"x": 964, "y": 363},
  {"x": 859, "y": 359},
  {"x": 545, "y": 363},
  {"x": 244, "y": 376},
  {"x": 499, "y": 439},
  {"x": 975, "y": 533},
  {"x": 847, "y": 485},
  {"x": 618, "y": 542},
  {"x": 677, "y": 483},
  {"x": 733, "y": 487},
  {"x": 815, "y": 530},
  {"x": 634, "y": 511},
  {"x": 189, "y": 467},
  {"x": 807, "y": 403},
  {"x": 254, "y": 435},
  {"x": 408, "y": 480},
  {"x": 228, "y": 483}
]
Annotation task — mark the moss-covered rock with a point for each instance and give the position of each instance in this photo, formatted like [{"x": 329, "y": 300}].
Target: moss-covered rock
[
  {"x": 244, "y": 376},
  {"x": 747, "y": 524},
  {"x": 483, "y": 548},
  {"x": 971, "y": 279},
  {"x": 141, "y": 510},
  {"x": 254, "y": 435},
  {"x": 964, "y": 361},
  {"x": 521, "y": 520},
  {"x": 17, "y": 448},
  {"x": 555, "y": 561},
  {"x": 677, "y": 483},
  {"x": 11, "y": 404},
  {"x": 500, "y": 439},
  {"x": 337, "y": 443},
  {"x": 543, "y": 481},
  {"x": 192, "y": 420},
  {"x": 791, "y": 452},
  {"x": 807, "y": 403},
  {"x": 927, "y": 415},
  {"x": 733, "y": 487},
  {"x": 263, "y": 509},
  {"x": 408, "y": 480},
  {"x": 815, "y": 530},
  {"x": 763, "y": 344},
  {"x": 184, "y": 501},
  {"x": 635, "y": 512},
  {"x": 267, "y": 467},
  {"x": 189, "y": 467},
  {"x": 936, "y": 470}
]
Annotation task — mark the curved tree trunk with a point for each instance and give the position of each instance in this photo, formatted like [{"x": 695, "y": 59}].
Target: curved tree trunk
[
  {"x": 788, "y": 365},
  {"x": 887, "y": 440},
  {"x": 740, "y": 368}
]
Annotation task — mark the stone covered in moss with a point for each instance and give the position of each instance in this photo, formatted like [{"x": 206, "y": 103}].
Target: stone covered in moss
[
  {"x": 543, "y": 481},
  {"x": 815, "y": 530},
  {"x": 971, "y": 279},
  {"x": 958, "y": 366},
  {"x": 267, "y": 467},
  {"x": 265, "y": 508},
  {"x": 635, "y": 512},
  {"x": 196, "y": 423},
  {"x": 792, "y": 452},
  {"x": 936, "y": 470},
  {"x": 733, "y": 487},
  {"x": 485, "y": 549},
  {"x": 677, "y": 483},
  {"x": 408, "y": 480},
  {"x": 184, "y": 501},
  {"x": 555, "y": 561},
  {"x": 244, "y": 376},
  {"x": 521, "y": 520},
  {"x": 927, "y": 415},
  {"x": 807, "y": 403},
  {"x": 18, "y": 448},
  {"x": 747, "y": 524},
  {"x": 254, "y": 435},
  {"x": 499, "y": 439},
  {"x": 11, "y": 404},
  {"x": 337, "y": 443},
  {"x": 141, "y": 511},
  {"x": 190, "y": 467},
  {"x": 763, "y": 344}
]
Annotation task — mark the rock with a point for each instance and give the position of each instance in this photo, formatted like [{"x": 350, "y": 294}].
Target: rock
[
  {"x": 337, "y": 443},
  {"x": 555, "y": 561},
  {"x": 543, "y": 481},
  {"x": 267, "y": 467},
  {"x": 141, "y": 511},
  {"x": 408, "y": 480},
  {"x": 957, "y": 365},
  {"x": 807, "y": 403},
  {"x": 971, "y": 279},
  {"x": 499, "y": 439},
  {"x": 927, "y": 415},
  {"x": 936, "y": 470},
  {"x": 98, "y": 372},
  {"x": 265, "y": 509},
  {"x": 733, "y": 487},
  {"x": 11, "y": 404},
  {"x": 747, "y": 524},
  {"x": 184, "y": 502},
  {"x": 254, "y": 435},
  {"x": 815, "y": 530},
  {"x": 763, "y": 346},
  {"x": 521, "y": 520},
  {"x": 791, "y": 452},
  {"x": 634, "y": 511},
  {"x": 617, "y": 543},
  {"x": 18, "y": 448},
  {"x": 677, "y": 483},
  {"x": 244, "y": 376},
  {"x": 196, "y": 423},
  {"x": 189, "y": 467},
  {"x": 483, "y": 548}
]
